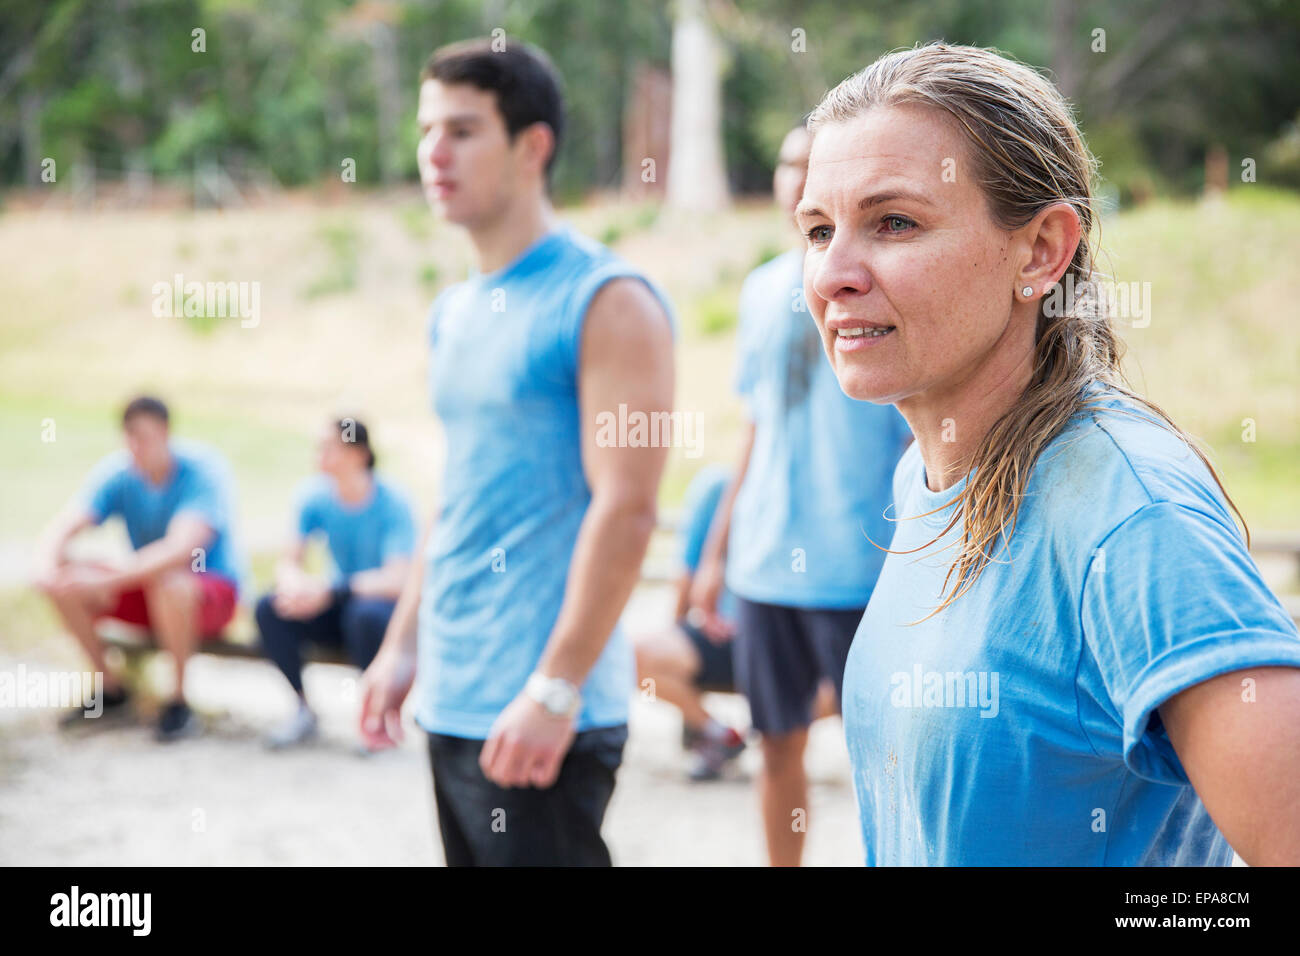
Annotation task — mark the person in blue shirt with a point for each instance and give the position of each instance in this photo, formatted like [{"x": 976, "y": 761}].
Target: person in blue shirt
[
  {"x": 685, "y": 660},
  {"x": 181, "y": 580},
  {"x": 800, "y": 532},
  {"x": 369, "y": 534},
  {"x": 546, "y": 511},
  {"x": 1069, "y": 658}
]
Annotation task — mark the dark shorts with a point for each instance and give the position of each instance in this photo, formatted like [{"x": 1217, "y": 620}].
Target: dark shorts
[
  {"x": 783, "y": 653},
  {"x": 716, "y": 671},
  {"x": 486, "y": 825}
]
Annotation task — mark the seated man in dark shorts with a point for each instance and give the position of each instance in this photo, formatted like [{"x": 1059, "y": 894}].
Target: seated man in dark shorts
[
  {"x": 180, "y": 581},
  {"x": 366, "y": 522},
  {"x": 691, "y": 657}
]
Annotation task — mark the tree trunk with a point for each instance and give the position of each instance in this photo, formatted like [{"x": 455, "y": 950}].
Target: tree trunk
[{"x": 697, "y": 177}]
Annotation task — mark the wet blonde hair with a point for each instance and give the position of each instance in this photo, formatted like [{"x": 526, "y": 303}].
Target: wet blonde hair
[{"x": 1027, "y": 154}]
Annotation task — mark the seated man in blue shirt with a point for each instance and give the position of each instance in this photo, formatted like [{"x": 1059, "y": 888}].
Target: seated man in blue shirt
[
  {"x": 368, "y": 529},
  {"x": 181, "y": 580},
  {"x": 692, "y": 656}
]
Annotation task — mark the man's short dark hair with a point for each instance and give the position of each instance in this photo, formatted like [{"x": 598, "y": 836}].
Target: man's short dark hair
[
  {"x": 526, "y": 83},
  {"x": 145, "y": 405}
]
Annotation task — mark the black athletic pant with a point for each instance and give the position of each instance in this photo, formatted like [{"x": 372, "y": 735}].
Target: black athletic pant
[
  {"x": 485, "y": 825},
  {"x": 355, "y": 623}
]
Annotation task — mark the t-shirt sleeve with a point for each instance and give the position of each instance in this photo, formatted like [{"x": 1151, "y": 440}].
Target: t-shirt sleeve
[
  {"x": 399, "y": 529},
  {"x": 102, "y": 494},
  {"x": 308, "y": 507},
  {"x": 1171, "y": 599},
  {"x": 202, "y": 494}
]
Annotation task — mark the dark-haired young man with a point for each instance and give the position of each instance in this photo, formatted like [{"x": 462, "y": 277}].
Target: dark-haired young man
[
  {"x": 524, "y": 675},
  {"x": 180, "y": 582},
  {"x": 367, "y": 526}
]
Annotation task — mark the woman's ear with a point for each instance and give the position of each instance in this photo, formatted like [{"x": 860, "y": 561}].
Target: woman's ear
[{"x": 1053, "y": 236}]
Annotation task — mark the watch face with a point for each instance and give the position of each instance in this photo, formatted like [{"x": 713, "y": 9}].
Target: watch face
[
  {"x": 555, "y": 696},
  {"x": 561, "y": 700}
]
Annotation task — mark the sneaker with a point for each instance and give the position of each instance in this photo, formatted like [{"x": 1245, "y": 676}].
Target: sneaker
[
  {"x": 114, "y": 704},
  {"x": 709, "y": 757},
  {"x": 176, "y": 721},
  {"x": 298, "y": 729}
]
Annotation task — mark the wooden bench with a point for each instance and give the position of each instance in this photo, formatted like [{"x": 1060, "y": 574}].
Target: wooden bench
[
  {"x": 658, "y": 571},
  {"x": 239, "y": 643}
]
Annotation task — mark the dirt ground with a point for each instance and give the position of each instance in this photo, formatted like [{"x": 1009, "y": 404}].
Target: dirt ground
[{"x": 111, "y": 796}]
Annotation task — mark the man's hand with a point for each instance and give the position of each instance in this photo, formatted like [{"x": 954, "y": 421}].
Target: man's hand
[
  {"x": 526, "y": 745},
  {"x": 306, "y": 599},
  {"x": 95, "y": 586},
  {"x": 45, "y": 575},
  {"x": 384, "y": 686},
  {"x": 706, "y": 589},
  {"x": 289, "y": 577}
]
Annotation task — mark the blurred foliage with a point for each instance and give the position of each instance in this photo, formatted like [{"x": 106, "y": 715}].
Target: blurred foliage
[
  {"x": 342, "y": 242},
  {"x": 715, "y": 311},
  {"x": 295, "y": 86},
  {"x": 1282, "y": 157}
]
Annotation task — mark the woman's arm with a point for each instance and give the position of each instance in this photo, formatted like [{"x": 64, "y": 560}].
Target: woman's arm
[{"x": 1238, "y": 737}]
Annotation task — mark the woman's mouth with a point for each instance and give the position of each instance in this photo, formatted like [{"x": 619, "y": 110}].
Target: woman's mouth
[{"x": 852, "y": 338}]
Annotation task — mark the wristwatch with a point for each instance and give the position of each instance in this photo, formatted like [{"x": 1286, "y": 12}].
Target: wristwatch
[{"x": 555, "y": 694}]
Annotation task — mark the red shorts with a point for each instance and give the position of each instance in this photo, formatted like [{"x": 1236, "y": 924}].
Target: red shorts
[{"x": 217, "y": 599}]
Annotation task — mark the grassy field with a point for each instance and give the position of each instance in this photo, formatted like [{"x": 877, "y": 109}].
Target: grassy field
[{"x": 344, "y": 289}]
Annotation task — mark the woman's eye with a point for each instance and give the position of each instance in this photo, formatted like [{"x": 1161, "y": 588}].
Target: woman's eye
[
  {"x": 897, "y": 223},
  {"x": 816, "y": 234}
]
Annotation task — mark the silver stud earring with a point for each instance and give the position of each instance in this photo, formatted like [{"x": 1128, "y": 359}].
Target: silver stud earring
[{"x": 1027, "y": 291}]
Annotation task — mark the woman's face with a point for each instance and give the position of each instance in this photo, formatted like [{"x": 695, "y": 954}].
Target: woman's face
[{"x": 901, "y": 245}]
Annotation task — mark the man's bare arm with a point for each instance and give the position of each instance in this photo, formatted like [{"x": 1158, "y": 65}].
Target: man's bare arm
[
  {"x": 401, "y": 632},
  {"x": 54, "y": 540},
  {"x": 387, "y": 581},
  {"x": 627, "y": 358},
  {"x": 390, "y": 675},
  {"x": 706, "y": 588},
  {"x": 186, "y": 534}
]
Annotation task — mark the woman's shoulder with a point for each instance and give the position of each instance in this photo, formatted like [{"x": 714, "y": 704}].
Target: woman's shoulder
[{"x": 1118, "y": 456}]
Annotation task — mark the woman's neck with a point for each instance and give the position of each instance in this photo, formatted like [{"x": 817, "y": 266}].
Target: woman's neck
[{"x": 951, "y": 419}]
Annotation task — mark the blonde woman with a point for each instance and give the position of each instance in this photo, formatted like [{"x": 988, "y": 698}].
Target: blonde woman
[{"x": 1069, "y": 657}]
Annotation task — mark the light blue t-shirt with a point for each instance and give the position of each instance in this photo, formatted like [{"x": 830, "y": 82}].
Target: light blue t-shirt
[
  {"x": 808, "y": 524},
  {"x": 359, "y": 537},
  {"x": 703, "y": 495},
  {"x": 1019, "y": 726},
  {"x": 200, "y": 483},
  {"x": 504, "y": 383}
]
